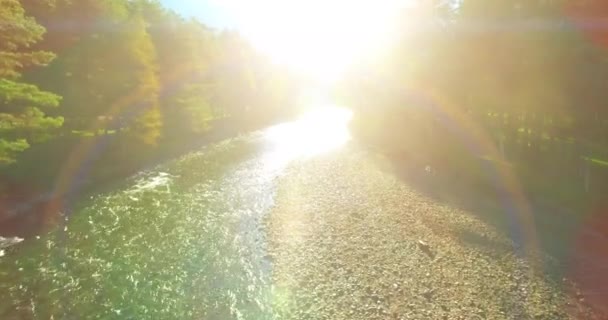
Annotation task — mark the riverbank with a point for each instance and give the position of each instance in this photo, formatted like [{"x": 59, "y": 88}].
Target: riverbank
[
  {"x": 178, "y": 241},
  {"x": 351, "y": 241},
  {"x": 31, "y": 202}
]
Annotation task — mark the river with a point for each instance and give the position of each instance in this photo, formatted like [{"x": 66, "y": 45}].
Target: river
[
  {"x": 271, "y": 225},
  {"x": 184, "y": 240}
]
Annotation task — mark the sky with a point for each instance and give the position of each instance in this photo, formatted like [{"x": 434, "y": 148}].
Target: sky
[
  {"x": 223, "y": 13},
  {"x": 210, "y": 12}
]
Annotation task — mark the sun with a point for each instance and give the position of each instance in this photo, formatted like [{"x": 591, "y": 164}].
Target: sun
[{"x": 320, "y": 38}]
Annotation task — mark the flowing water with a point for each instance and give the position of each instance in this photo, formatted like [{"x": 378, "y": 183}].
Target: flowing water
[{"x": 182, "y": 241}]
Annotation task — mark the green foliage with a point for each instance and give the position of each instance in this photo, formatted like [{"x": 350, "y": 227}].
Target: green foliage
[
  {"x": 130, "y": 69},
  {"x": 521, "y": 81},
  {"x": 18, "y": 32},
  {"x": 184, "y": 53},
  {"x": 15, "y": 93},
  {"x": 190, "y": 110},
  {"x": 21, "y": 120},
  {"x": 10, "y": 149}
]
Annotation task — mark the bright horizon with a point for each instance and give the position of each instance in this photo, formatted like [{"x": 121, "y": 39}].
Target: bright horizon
[{"x": 343, "y": 33}]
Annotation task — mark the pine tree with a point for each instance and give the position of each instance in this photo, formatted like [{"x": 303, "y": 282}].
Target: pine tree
[{"x": 22, "y": 121}]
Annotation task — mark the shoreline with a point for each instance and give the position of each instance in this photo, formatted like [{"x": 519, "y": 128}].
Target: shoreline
[{"x": 25, "y": 214}]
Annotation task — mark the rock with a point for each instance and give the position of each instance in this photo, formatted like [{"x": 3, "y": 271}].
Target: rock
[
  {"x": 365, "y": 269},
  {"x": 8, "y": 242},
  {"x": 422, "y": 244},
  {"x": 426, "y": 248},
  {"x": 428, "y": 294}
]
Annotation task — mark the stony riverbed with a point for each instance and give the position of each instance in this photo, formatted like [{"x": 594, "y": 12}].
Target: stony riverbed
[{"x": 350, "y": 241}]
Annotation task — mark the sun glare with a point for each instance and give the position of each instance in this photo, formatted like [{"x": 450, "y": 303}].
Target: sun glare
[
  {"x": 321, "y": 129},
  {"x": 318, "y": 37}
]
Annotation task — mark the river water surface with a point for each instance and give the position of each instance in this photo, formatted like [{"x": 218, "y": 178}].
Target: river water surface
[{"x": 182, "y": 241}]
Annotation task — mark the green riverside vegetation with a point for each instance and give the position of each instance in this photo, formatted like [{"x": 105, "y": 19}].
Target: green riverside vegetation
[{"x": 130, "y": 77}]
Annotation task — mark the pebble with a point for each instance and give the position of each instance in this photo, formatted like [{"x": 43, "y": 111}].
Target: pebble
[{"x": 386, "y": 279}]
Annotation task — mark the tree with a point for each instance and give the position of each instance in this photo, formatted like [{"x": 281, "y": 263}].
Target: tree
[
  {"x": 22, "y": 121},
  {"x": 185, "y": 52},
  {"x": 106, "y": 71}
]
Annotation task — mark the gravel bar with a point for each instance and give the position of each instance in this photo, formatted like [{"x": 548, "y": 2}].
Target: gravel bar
[{"x": 349, "y": 240}]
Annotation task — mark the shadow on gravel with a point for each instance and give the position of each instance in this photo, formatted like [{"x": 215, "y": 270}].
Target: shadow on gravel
[
  {"x": 489, "y": 246},
  {"x": 483, "y": 199},
  {"x": 560, "y": 234}
]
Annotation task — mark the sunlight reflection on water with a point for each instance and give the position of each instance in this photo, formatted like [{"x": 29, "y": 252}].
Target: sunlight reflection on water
[
  {"x": 320, "y": 130},
  {"x": 183, "y": 240}
]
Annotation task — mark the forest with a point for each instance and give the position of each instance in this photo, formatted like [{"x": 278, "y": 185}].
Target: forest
[
  {"x": 130, "y": 80},
  {"x": 515, "y": 87}
]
